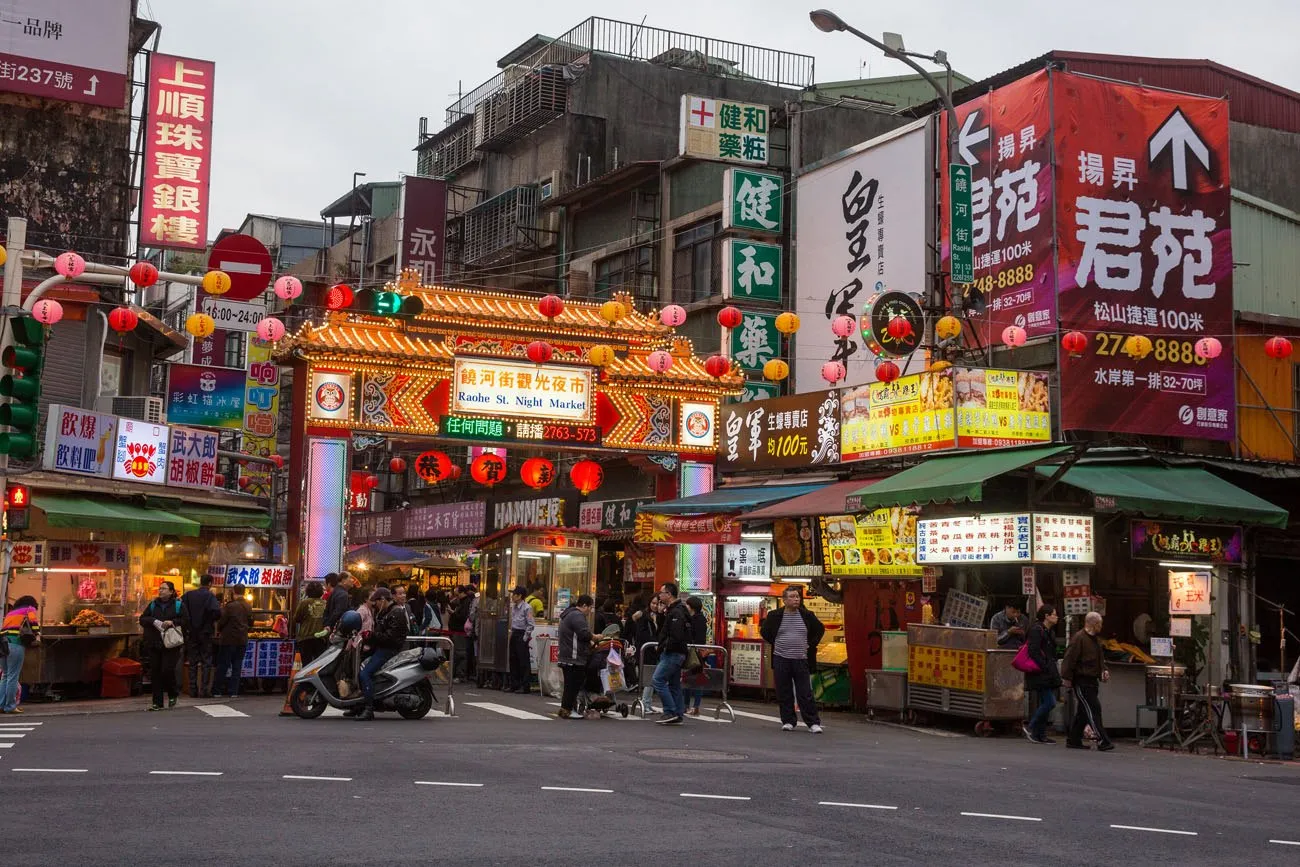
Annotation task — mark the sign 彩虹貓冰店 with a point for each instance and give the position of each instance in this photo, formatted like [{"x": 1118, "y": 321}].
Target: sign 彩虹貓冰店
[
  {"x": 880, "y": 542},
  {"x": 422, "y": 226},
  {"x": 1179, "y": 540},
  {"x": 747, "y": 560},
  {"x": 861, "y": 223},
  {"x": 192, "y": 457},
  {"x": 72, "y": 51},
  {"x": 961, "y": 225},
  {"x": 755, "y": 341},
  {"x": 177, "y": 153},
  {"x": 785, "y": 432},
  {"x": 753, "y": 201},
  {"x": 1002, "y": 407},
  {"x": 1189, "y": 592},
  {"x": 487, "y": 386},
  {"x": 1004, "y": 136},
  {"x": 911, "y": 414},
  {"x": 140, "y": 452},
  {"x": 721, "y": 129},
  {"x": 751, "y": 270},
  {"x": 610, "y": 515},
  {"x": 206, "y": 396},
  {"x": 78, "y": 441},
  {"x": 1145, "y": 248},
  {"x": 234, "y": 315},
  {"x": 976, "y": 539},
  {"x": 686, "y": 529}
]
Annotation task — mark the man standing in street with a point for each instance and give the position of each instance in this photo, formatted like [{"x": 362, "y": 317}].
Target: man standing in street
[
  {"x": 199, "y": 613},
  {"x": 521, "y": 633},
  {"x": 794, "y": 633},
  {"x": 674, "y": 638},
  {"x": 1011, "y": 626},
  {"x": 1083, "y": 671}
]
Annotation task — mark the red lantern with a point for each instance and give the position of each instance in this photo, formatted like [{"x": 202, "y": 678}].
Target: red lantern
[
  {"x": 539, "y": 352},
  {"x": 551, "y": 306},
  {"x": 730, "y": 317},
  {"x": 537, "y": 473},
  {"x": 1075, "y": 342},
  {"x": 278, "y": 462},
  {"x": 899, "y": 328},
  {"x": 586, "y": 476},
  {"x": 123, "y": 319},
  {"x": 218, "y": 481},
  {"x": 338, "y": 297},
  {"x": 143, "y": 274},
  {"x": 717, "y": 365},
  {"x": 433, "y": 467},
  {"x": 1278, "y": 347},
  {"x": 244, "y": 481},
  {"x": 397, "y": 465},
  {"x": 488, "y": 469},
  {"x": 887, "y": 371},
  {"x": 455, "y": 472},
  {"x": 833, "y": 372},
  {"x": 371, "y": 482}
]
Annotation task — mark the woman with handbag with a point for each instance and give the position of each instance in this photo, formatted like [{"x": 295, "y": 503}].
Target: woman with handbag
[
  {"x": 161, "y": 642},
  {"x": 1040, "y": 648},
  {"x": 21, "y": 629}
]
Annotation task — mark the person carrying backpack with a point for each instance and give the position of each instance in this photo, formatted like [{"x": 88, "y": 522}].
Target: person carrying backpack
[
  {"x": 20, "y": 629},
  {"x": 161, "y": 651},
  {"x": 308, "y": 622}
]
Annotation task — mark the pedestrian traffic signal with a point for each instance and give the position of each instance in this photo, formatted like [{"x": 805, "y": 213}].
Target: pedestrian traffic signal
[
  {"x": 21, "y": 386},
  {"x": 18, "y": 497}
]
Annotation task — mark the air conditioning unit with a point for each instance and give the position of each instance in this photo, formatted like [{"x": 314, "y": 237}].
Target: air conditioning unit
[
  {"x": 150, "y": 409},
  {"x": 549, "y": 186},
  {"x": 480, "y": 123}
]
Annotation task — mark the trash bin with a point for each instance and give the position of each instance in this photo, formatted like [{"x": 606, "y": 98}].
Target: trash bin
[{"x": 120, "y": 678}]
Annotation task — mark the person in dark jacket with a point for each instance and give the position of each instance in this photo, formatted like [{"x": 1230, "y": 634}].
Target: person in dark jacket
[
  {"x": 573, "y": 646},
  {"x": 386, "y": 639},
  {"x": 161, "y": 614},
  {"x": 232, "y": 641},
  {"x": 1045, "y": 681},
  {"x": 308, "y": 621},
  {"x": 1083, "y": 671},
  {"x": 199, "y": 612},
  {"x": 606, "y": 613},
  {"x": 699, "y": 625},
  {"x": 794, "y": 633},
  {"x": 674, "y": 638},
  {"x": 422, "y": 616},
  {"x": 459, "y": 624},
  {"x": 340, "y": 598}
]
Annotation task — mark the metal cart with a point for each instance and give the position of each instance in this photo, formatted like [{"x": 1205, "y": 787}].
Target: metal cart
[{"x": 960, "y": 672}]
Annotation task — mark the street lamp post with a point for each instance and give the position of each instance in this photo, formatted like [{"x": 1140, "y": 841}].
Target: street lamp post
[{"x": 828, "y": 22}]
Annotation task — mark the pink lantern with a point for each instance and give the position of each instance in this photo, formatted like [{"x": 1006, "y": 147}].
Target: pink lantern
[
  {"x": 1014, "y": 335},
  {"x": 672, "y": 315},
  {"x": 48, "y": 311},
  {"x": 1208, "y": 348},
  {"x": 288, "y": 288},
  {"x": 659, "y": 361},
  {"x": 843, "y": 326},
  {"x": 69, "y": 265},
  {"x": 270, "y": 329},
  {"x": 833, "y": 372}
]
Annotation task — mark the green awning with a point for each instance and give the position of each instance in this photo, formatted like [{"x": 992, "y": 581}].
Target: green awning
[
  {"x": 220, "y": 518},
  {"x": 106, "y": 514},
  {"x": 947, "y": 479},
  {"x": 1170, "y": 492},
  {"x": 737, "y": 499}
]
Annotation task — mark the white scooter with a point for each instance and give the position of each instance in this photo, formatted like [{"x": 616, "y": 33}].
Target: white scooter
[{"x": 402, "y": 685}]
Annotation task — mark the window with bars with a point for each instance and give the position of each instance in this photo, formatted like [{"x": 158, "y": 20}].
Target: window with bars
[
  {"x": 631, "y": 271},
  {"x": 697, "y": 262},
  {"x": 234, "y": 349}
]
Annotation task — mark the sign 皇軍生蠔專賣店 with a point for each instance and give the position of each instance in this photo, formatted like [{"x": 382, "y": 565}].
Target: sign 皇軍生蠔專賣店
[
  {"x": 140, "y": 452},
  {"x": 977, "y": 539},
  {"x": 1179, "y": 540},
  {"x": 1189, "y": 593},
  {"x": 753, "y": 201},
  {"x": 67, "y": 51},
  {"x": 78, "y": 441},
  {"x": 1144, "y": 248},
  {"x": 721, "y": 129},
  {"x": 911, "y": 414},
  {"x": 861, "y": 223},
  {"x": 610, "y": 515},
  {"x": 192, "y": 457},
  {"x": 205, "y": 396},
  {"x": 422, "y": 220},
  {"x": 881, "y": 542},
  {"x": 1004, "y": 136},
  {"x": 685, "y": 529},
  {"x": 510, "y": 388},
  {"x": 177, "y": 153},
  {"x": 785, "y": 432},
  {"x": 1001, "y": 407},
  {"x": 747, "y": 560}
]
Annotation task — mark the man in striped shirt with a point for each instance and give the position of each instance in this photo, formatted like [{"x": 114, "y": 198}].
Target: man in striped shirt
[{"x": 794, "y": 633}]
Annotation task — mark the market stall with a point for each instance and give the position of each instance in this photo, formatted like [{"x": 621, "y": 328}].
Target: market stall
[
  {"x": 266, "y": 587},
  {"x": 961, "y": 672}
]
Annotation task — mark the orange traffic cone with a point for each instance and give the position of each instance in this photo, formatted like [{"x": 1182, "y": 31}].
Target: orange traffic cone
[{"x": 287, "y": 710}]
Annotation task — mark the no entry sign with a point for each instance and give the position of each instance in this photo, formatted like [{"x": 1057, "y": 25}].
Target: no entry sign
[{"x": 247, "y": 262}]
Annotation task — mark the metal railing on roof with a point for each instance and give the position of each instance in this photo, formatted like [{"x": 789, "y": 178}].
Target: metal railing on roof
[{"x": 651, "y": 44}]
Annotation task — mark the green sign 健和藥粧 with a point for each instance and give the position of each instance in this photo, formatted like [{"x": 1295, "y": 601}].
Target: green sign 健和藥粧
[
  {"x": 754, "y": 201},
  {"x": 719, "y": 129},
  {"x": 751, "y": 270},
  {"x": 756, "y": 341}
]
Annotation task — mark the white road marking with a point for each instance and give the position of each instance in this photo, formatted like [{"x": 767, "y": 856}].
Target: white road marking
[
  {"x": 506, "y": 710},
  {"x": 220, "y": 710},
  {"x": 716, "y": 797},
  {"x": 751, "y": 715},
  {"x": 5, "y": 746},
  {"x": 1002, "y": 816},
  {"x": 187, "y": 773},
  {"x": 1154, "y": 830},
  {"x": 1286, "y": 842},
  {"x": 451, "y": 785},
  {"x": 49, "y": 770},
  {"x": 4, "y": 730},
  {"x": 859, "y": 806},
  {"x": 338, "y": 712},
  {"x": 318, "y": 779},
  {"x": 10, "y": 733},
  {"x": 573, "y": 789}
]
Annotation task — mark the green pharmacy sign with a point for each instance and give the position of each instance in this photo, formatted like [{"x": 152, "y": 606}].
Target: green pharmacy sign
[
  {"x": 751, "y": 270},
  {"x": 754, "y": 201}
]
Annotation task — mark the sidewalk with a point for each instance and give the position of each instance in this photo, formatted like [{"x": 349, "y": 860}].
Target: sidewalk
[{"x": 126, "y": 705}]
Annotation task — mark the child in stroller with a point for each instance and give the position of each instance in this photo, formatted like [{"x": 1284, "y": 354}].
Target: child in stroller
[{"x": 594, "y": 700}]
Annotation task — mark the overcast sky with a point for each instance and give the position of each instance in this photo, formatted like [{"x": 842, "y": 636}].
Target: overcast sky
[{"x": 309, "y": 91}]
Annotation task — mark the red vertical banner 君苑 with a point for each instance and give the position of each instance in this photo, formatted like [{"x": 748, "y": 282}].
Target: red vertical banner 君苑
[
  {"x": 177, "y": 153},
  {"x": 1145, "y": 248}
]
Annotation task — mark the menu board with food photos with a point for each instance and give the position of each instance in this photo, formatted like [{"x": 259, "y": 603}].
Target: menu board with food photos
[
  {"x": 1002, "y": 407},
  {"x": 882, "y": 542},
  {"x": 793, "y": 543}
]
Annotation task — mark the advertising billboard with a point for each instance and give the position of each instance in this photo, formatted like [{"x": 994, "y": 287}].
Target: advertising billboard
[
  {"x": 72, "y": 50},
  {"x": 422, "y": 226},
  {"x": 177, "y": 153},
  {"x": 787, "y": 432},
  {"x": 205, "y": 396}
]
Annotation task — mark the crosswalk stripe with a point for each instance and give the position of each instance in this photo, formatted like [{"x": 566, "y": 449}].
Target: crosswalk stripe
[
  {"x": 752, "y": 715},
  {"x": 11, "y": 734},
  {"x": 19, "y": 724},
  {"x": 506, "y": 710},
  {"x": 220, "y": 710},
  {"x": 338, "y": 712}
]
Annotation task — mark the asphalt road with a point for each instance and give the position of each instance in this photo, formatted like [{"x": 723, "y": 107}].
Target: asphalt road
[{"x": 486, "y": 787}]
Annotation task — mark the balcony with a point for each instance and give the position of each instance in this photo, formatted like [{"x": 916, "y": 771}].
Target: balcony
[{"x": 495, "y": 230}]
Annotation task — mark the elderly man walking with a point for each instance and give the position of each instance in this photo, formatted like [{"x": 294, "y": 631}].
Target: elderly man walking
[{"x": 1083, "y": 671}]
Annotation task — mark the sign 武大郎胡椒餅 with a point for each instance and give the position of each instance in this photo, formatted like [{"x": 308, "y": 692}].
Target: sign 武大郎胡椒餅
[
  {"x": 786, "y": 432},
  {"x": 256, "y": 575},
  {"x": 495, "y": 387},
  {"x": 753, "y": 201},
  {"x": 1183, "y": 541},
  {"x": 206, "y": 396},
  {"x": 721, "y": 129},
  {"x": 881, "y": 542},
  {"x": 192, "y": 457},
  {"x": 177, "y": 153},
  {"x": 79, "y": 441}
]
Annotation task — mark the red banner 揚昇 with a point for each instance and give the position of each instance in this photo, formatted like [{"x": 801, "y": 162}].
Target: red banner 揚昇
[
  {"x": 177, "y": 153},
  {"x": 1144, "y": 248},
  {"x": 653, "y": 529},
  {"x": 1005, "y": 137}
]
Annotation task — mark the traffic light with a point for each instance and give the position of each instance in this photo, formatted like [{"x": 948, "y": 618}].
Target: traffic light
[
  {"x": 21, "y": 385},
  {"x": 381, "y": 302},
  {"x": 18, "y": 501}
]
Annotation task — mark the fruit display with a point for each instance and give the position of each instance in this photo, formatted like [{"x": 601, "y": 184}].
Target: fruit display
[
  {"x": 86, "y": 617},
  {"x": 262, "y": 633}
]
